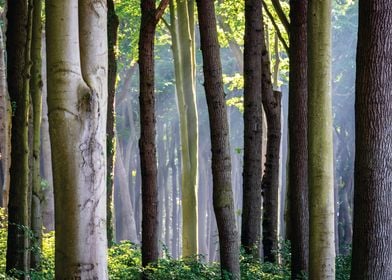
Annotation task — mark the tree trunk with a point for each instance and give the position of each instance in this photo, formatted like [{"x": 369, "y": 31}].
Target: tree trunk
[
  {"x": 182, "y": 29},
  {"x": 47, "y": 204},
  {"x": 77, "y": 100},
  {"x": 298, "y": 151},
  {"x": 372, "y": 241},
  {"x": 270, "y": 181},
  {"x": 36, "y": 85},
  {"x": 221, "y": 165},
  {"x": 251, "y": 209},
  {"x": 18, "y": 69},
  {"x": 320, "y": 143},
  {"x": 148, "y": 159},
  {"x": 113, "y": 23},
  {"x": 5, "y": 127}
]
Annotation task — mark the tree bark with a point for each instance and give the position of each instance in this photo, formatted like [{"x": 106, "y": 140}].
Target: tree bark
[
  {"x": 77, "y": 100},
  {"x": 113, "y": 24},
  {"x": 221, "y": 165},
  {"x": 36, "y": 85},
  {"x": 320, "y": 143},
  {"x": 251, "y": 209},
  {"x": 372, "y": 241},
  {"x": 18, "y": 70},
  {"x": 184, "y": 56},
  {"x": 5, "y": 127},
  {"x": 298, "y": 152},
  {"x": 270, "y": 181},
  {"x": 148, "y": 159}
]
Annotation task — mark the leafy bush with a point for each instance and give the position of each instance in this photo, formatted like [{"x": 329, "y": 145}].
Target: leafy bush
[{"x": 125, "y": 263}]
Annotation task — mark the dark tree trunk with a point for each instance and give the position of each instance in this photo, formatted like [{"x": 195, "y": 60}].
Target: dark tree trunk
[
  {"x": 18, "y": 68},
  {"x": 148, "y": 158},
  {"x": 251, "y": 209},
  {"x": 298, "y": 157},
  {"x": 110, "y": 125},
  {"x": 372, "y": 239},
  {"x": 221, "y": 165},
  {"x": 270, "y": 181}
]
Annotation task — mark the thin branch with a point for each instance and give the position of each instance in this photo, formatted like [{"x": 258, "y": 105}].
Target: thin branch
[
  {"x": 281, "y": 39},
  {"x": 161, "y": 9},
  {"x": 282, "y": 16},
  {"x": 168, "y": 26}
]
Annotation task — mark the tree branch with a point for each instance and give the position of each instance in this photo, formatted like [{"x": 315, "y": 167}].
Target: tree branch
[
  {"x": 281, "y": 15},
  {"x": 281, "y": 39},
  {"x": 161, "y": 9}
]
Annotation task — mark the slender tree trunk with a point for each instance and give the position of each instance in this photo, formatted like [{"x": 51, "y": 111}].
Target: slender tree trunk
[
  {"x": 320, "y": 143},
  {"x": 148, "y": 160},
  {"x": 251, "y": 209},
  {"x": 221, "y": 165},
  {"x": 182, "y": 31},
  {"x": 36, "y": 85},
  {"x": 113, "y": 23},
  {"x": 77, "y": 100},
  {"x": 18, "y": 69},
  {"x": 47, "y": 204},
  {"x": 372, "y": 239},
  {"x": 298, "y": 152},
  {"x": 270, "y": 181},
  {"x": 5, "y": 126}
]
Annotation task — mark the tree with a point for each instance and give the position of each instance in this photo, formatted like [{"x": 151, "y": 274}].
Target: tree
[
  {"x": 320, "y": 144},
  {"x": 148, "y": 161},
  {"x": 5, "y": 127},
  {"x": 113, "y": 24},
  {"x": 270, "y": 182},
  {"x": 372, "y": 242},
  {"x": 18, "y": 72},
  {"x": 298, "y": 152},
  {"x": 77, "y": 101},
  {"x": 251, "y": 210},
  {"x": 36, "y": 85},
  {"x": 221, "y": 165},
  {"x": 183, "y": 43}
]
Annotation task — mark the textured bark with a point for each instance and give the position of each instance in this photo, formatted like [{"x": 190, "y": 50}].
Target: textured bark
[
  {"x": 221, "y": 165},
  {"x": 183, "y": 44},
  {"x": 148, "y": 159},
  {"x": 320, "y": 143},
  {"x": 251, "y": 209},
  {"x": 5, "y": 127},
  {"x": 270, "y": 181},
  {"x": 298, "y": 152},
  {"x": 372, "y": 239},
  {"x": 36, "y": 85},
  {"x": 77, "y": 101},
  {"x": 113, "y": 23},
  {"x": 18, "y": 70}
]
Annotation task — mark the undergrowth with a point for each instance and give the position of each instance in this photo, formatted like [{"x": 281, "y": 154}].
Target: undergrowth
[{"x": 124, "y": 263}]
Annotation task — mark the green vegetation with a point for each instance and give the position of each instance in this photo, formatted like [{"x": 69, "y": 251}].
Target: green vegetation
[{"x": 125, "y": 263}]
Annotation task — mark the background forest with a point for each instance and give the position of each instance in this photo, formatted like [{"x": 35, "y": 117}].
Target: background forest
[{"x": 183, "y": 216}]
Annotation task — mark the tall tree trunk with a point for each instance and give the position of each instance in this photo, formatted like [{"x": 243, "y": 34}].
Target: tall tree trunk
[
  {"x": 113, "y": 23},
  {"x": 182, "y": 31},
  {"x": 372, "y": 241},
  {"x": 221, "y": 165},
  {"x": 47, "y": 204},
  {"x": 77, "y": 100},
  {"x": 253, "y": 118},
  {"x": 18, "y": 69},
  {"x": 148, "y": 160},
  {"x": 5, "y": 127},
  {"x": 298, "y": 151},
  {"x": 270, "y": 181},
  {"x": 36, "y": 85},
  {"x": 320, "y": 143}
]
